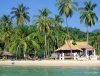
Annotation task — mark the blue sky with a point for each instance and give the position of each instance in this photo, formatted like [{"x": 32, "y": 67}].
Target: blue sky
[{"x": 35, "y": 5}]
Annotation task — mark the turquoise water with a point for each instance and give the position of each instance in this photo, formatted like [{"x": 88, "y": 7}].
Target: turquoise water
[{"x": 48, "y": 71}]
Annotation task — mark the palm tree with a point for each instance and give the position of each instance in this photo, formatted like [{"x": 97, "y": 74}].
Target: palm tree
[
  {"x": 50, "y": 39},
  {"x": 66, "y": 7},
  {"x": 88, "y": 15},
  {"x": 43, "y": 24},
  {"x": 6, "y": 25},
  {"x": 20, "y": 14},
  {"x": 56, "y": 22},
  {"x": 95, "y": 42},
  {"x": 21, "y": 40}
]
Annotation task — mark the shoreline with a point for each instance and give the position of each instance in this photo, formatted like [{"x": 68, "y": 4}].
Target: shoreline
[{"x": 53, "y": 63}]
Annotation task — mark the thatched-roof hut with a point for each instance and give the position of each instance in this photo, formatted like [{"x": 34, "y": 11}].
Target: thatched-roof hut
[
  {"x": 83, "y": 45},
  {"x": 67, "y": 50},
  {"x": 81, "y": 48},
  {"x": 87, "y": 49},
  {"x": 54, "y": 56},
  {"x": 68, "y": 46},
  {"x": 4, "y": 53}
]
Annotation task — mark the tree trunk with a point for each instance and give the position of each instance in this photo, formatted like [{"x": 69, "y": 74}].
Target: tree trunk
[
  {"x": 87, "y": 38},
  {"x": 68, "y": 36},
  {"x": 24, "y": 55},
  {"x": 54, "y": 48},
  {"x": 48, "y": 49},
  {"x": 57, "y": 40},
  {"x": 5, "y": 46},
  {"x": 45, "y": 52},
  {"x": 45, "y": 46},
  {"x": 19, "y": 52},
  {"x": 16, "y": 52},
  {"x": 35, "y": 52}
]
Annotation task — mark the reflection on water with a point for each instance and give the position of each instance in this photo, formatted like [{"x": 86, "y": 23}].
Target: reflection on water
[{"x": 48, "y": 71}]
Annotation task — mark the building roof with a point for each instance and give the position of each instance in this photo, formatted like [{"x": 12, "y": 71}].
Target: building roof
[
  {"x": 54, "y": 55},
  {"x": 68, "y": 46},
  {"x": 6, "y": 53},
  {"x": 83, "y": 45}
]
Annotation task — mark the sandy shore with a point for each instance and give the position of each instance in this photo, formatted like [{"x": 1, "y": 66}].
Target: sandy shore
[{"x": 56, "y": 63}]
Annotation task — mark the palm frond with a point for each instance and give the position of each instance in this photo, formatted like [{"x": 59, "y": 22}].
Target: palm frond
[
  {"x": 93, "y": 6},
  {"x": 35, "y": 44},
  {"x": 19, "y": 12},
  {"x": 71, "y": 13},
  {"x": 74, "y": 3},
  {"x": 65, "y": 7}
]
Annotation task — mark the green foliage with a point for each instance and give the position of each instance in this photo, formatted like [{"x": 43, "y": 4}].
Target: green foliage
[
  {"x": 21, "y": 14},
  {"x": 87, "y": 14},
  {"x": 98, "y": 52},
  {"x": 66, "y": 7},
  {"x": 46, "y": 34},
  {"x": 40, "y": 53}
]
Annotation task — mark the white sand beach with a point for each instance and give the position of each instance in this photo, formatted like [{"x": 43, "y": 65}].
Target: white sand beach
[{"x": 56, "y": 63}]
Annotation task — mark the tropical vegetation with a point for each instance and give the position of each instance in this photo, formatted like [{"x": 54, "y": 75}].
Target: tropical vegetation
[
  {"x": 88, "y": 15},
  {"x": 46, "y": 33},
  {"x": 66, "y": 8}
]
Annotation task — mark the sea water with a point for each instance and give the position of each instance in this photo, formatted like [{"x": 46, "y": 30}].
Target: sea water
[{"x": 49, "y": 71}]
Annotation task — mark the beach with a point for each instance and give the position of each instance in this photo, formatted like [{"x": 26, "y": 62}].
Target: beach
[{"x": 53, "y": 63}]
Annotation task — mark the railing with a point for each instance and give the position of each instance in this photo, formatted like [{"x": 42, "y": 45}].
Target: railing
[{"x": 69, "y": 57}]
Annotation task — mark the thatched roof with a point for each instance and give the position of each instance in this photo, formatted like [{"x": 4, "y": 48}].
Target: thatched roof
[
  {"x": 83, "y": 45},
  {"x": 6, "y": 53},
  {"x": 54, "y": 55},
  {"x": 68, "y": 46}
]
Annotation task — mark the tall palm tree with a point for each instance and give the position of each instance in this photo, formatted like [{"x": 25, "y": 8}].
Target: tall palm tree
[
  {"x": 43, "y": 24},
  {"x": 21, "y": 14},
  {"x": 57, "y": 21},
  {"x": 66, "y": 7},
  {"x": 50, "y": 39},
  {"x": 6, "y": 25},
  {"x": 88, "y": 15}
]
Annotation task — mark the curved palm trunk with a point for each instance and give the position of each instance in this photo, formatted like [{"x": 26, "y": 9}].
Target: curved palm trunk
[
  {"x": 87, "y": 40},
  {"x": 45, "y": 52},
  {"x": 57, "y": 40},
  {"x": 68, "y": 36}
]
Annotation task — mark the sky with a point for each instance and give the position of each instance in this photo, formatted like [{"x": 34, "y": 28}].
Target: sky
[{"x": 35, "y": 5}]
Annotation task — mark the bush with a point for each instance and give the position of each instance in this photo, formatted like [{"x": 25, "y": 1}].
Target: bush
[
  {"x": 3, "y": 59},
  {"x": 98, "y": 52}
]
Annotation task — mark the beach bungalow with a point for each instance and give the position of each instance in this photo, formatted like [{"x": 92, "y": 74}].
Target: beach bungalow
[
  {"x": 88, "y": 51},
  {"x": 6, "y": 54},
  {"x": 68, "y": 51},
  {"x": 78, "y": 51}
]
